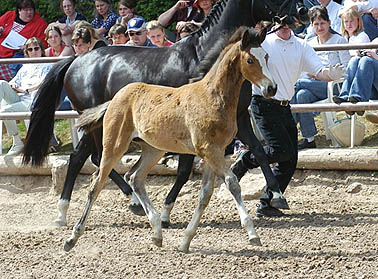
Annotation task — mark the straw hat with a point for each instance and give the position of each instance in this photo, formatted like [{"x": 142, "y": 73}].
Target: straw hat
[{"x": 341, "y": 132}]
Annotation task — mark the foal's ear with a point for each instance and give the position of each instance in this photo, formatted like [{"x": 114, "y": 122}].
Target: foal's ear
[
  {"x": 246, "y": 40},
  {"x": 262, "y": 35}
]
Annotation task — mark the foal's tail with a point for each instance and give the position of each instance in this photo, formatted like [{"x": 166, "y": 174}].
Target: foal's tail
[
  {"x": 42, "y": 118},
  {"x": 91, "y": 118}
]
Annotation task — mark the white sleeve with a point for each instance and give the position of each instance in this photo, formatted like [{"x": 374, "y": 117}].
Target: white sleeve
[{"x": 312, "y": 63}]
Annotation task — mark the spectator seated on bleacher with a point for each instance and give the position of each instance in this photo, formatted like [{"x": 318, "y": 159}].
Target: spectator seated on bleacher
[
  {"x": 183, "y": 29},
  {"x": 361, "y": 82},
  {"x": 18, "y": 26},
  {"x": 369, "y": 13},
  {"x": 95, "y": 40},
  {"x": 105, "y": 17},
  {"x": 156, "y": 34},
  {"x": 307, "y": 88},
  {"x": 19, "y": 93},
  {"x": 126, "y": 11},
  {"x": 183, "y": 10},
  {"x": 57, "y": 47},
  {"x": 352, "y": 29},
  {"x": 67, "y": 23},
  {"x": 118, "y": 34},
  {"x": 136, "y": 29}
]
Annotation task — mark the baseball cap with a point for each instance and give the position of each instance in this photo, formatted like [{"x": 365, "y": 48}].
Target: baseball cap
[{"x": 136, "y": 24}]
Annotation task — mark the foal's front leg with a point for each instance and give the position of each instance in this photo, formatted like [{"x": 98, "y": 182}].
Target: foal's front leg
[{"x": 207, "y": 189}]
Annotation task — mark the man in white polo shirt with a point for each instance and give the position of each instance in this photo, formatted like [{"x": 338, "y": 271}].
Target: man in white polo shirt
[{"x": 289, "y": 56}]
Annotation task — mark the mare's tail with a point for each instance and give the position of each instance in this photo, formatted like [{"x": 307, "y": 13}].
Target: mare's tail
[
  {"x": 42, "y": 118},
  {"x": 91, "y": 118}
]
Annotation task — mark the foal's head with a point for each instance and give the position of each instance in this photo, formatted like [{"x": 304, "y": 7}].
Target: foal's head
[{"x": 253, "y": 61}]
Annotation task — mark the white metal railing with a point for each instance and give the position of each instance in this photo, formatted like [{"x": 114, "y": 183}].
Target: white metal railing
[{"x": 70, "y": 115}]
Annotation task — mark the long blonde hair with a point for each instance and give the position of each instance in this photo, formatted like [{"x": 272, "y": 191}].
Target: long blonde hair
[{"x": 350, "y": 14}]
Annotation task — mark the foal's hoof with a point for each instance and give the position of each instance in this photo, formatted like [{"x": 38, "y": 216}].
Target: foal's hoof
[
  {"x": 60, "y": 222},
  {"x": 157, "y": 241},
  {"x": 280, "y": 203},
  {"x": 69, "y": 244},
  {"x": 165, "y": 224},
  {"x": 255, "y": 241},
  {"x": 137, "y": 209}
]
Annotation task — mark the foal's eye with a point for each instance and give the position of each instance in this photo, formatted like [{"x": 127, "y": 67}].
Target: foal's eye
[{"x": 249, "y": 61}]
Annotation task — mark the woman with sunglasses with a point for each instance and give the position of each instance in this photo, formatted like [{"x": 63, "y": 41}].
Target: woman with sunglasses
[
  {"x": 19, "y": 93},
  {"x": 56, "y": 45}
]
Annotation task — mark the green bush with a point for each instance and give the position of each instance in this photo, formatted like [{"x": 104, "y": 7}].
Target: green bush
[{"x": 50, "y": 9}]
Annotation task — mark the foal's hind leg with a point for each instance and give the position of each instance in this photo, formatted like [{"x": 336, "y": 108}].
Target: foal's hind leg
[
  {"x": 113, "y": 151},
  {"x": 150, "y": 156}
]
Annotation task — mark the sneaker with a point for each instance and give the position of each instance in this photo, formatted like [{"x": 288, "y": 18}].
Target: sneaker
[
  {"x": 303, "y": 144},
  {"x": 268, "y": 211},
  {"x": 372, "y": 117},
  {"x": 15, "y": 149},
  {"x": 238, "y": 167}
]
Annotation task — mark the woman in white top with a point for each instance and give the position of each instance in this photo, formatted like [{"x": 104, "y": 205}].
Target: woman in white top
[
  {"x": 308, "y": 89},
  {"x": 21, "y": 90},
  {"x": 352, "y": 29}
]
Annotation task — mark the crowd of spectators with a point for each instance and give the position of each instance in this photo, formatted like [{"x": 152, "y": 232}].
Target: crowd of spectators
[{"x": 336, "y": 22}]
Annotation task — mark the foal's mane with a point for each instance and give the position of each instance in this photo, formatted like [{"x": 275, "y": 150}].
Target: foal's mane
[{"x": 213, "y": 57}]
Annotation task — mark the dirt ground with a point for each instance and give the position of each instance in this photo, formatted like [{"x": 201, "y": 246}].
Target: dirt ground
[{"x": 331, "y": 232}]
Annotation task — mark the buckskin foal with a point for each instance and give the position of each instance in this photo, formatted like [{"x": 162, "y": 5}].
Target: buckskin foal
[{"x": 197, "y": 118}]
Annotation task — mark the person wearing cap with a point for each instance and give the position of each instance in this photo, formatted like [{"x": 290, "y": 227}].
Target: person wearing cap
[
  {"x": 136, "y": 29},
  {"x": 288, "y": 56},
  {"x": 183, "y": 10}
]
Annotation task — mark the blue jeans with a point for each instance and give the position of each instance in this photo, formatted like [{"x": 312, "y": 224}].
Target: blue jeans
[
  {"x": 370, "y": 26},
  {"x": 362, "y": 77},
  {"x": 307, "y": 91}
]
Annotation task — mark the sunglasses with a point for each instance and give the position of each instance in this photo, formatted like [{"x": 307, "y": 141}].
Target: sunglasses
[
  {"x": 33, "y": 48},
  {"x": 135, "y": 33}
]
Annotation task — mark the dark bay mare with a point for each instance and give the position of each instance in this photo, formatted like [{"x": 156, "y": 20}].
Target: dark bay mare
[{"x": 93, "y": 78}]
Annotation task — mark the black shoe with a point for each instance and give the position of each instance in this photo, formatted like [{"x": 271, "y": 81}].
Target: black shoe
[
  {"x": 354, "y": 100},
  {"x": 360, "y": 113},
  {"x": 268, "y": 211},
  {"x": 338, "y": 100},
  {"x": 303, "y": 144},
  {"x": 238, "y": 167},
  {"x": 350, "y": 112}
]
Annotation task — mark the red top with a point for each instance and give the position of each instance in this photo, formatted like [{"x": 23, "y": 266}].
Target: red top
[
  {"x": 34, "y": 28},
  {"x": 51, "y": 52}
]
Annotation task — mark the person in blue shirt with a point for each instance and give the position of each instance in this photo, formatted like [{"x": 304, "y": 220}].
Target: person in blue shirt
[{"x": 105, "y": 17}]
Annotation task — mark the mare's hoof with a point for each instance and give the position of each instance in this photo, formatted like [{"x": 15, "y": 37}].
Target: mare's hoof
[
  {"x": 137, "y": 209},
  {"x": 165, "y": 224},
  {"x": 69, "y": 244},
  {"x": 157, "y": 241},
  {"x": 255, "y": 241},
  {"x": 280, "y": 203}
]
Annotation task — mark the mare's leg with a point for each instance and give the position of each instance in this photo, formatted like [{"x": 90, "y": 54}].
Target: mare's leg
[
  {"x": 116, "y": 145},
  {"x": 77, "y": 160},
  {"x": 184, "y": 170},
  {"x": 149, "y": 157},
  {"x": 247, "y": 136}
]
